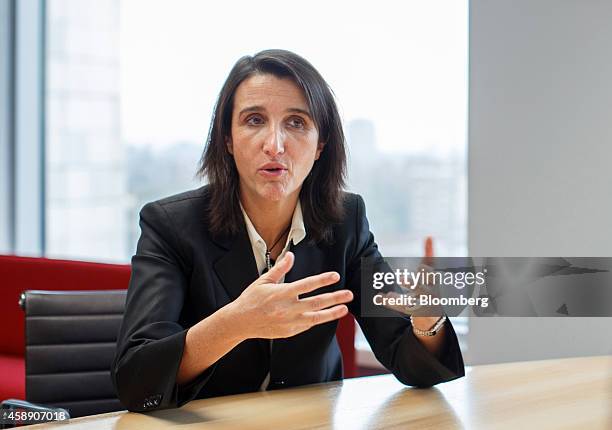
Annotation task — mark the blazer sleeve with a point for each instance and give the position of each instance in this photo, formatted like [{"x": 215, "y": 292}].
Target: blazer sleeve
[
  {"x": 391, "y": 338},
  {"x": 151, "y": 339}
]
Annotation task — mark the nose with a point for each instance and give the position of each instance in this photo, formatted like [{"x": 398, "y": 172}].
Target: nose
[{"x": 274, "y": 144}]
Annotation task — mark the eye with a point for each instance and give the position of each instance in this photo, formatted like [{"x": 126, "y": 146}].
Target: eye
[
  {"x": 254, "y": 120},
  {"x": 297, "y": 122}
]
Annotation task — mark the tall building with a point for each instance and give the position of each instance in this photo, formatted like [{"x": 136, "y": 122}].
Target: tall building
[
  {"x": 362, "y": 154},
  {"x": 408, "y": 195},
  {"x": 154, "y": 173},
  {"x": 86, "y": 191}
]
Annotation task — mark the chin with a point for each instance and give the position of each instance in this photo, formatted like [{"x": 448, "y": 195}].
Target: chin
[{"x": 275, "y": 193}]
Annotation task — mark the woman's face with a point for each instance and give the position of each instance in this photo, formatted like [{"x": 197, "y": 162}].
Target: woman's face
[{"x": 273, "y": 139}]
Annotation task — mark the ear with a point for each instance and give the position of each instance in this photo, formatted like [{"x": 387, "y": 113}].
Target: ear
[
  {"x": 229, "y": 145},
  {"x": 320, "y": 147}
]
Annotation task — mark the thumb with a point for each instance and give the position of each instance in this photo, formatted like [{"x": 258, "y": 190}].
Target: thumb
[
  {"x": 280, "y": 269},
  {"x": 429, "y": 252}
]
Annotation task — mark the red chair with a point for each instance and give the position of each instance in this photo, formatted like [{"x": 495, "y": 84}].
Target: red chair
[
  {"x": 18, "y": 274},
  {"x": 345, "y": 333}
]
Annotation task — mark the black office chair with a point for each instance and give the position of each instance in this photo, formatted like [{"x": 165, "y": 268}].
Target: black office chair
[{"x": 70, "y": 345}]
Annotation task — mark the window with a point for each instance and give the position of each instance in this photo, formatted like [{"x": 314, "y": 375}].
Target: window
[{"x": 131, "y": 85}]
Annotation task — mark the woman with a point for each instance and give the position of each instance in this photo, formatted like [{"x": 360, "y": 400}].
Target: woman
[{"x": 238, "y": 286}]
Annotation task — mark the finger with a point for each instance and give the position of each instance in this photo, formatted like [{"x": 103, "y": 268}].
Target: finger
[
  {"x": 280, "y": 269},
  {"x": 311, "y": 283},
  {"x": 326, "y": 315},
  {"x": 404, "y": 309},
  {"x": 425, "y": 289},
  {"x": 325, "y": 300},
  {"x": 429, "y": 251},
  {"x": 420, "y": 292},
  {"x": 422, "y": 267},
  {"x": 406, "y": 286}
]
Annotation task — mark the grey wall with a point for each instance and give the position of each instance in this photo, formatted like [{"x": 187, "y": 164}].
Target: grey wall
[{"x": 540, "y": 157}]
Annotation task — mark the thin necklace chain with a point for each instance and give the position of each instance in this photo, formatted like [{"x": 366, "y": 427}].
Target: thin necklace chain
[{"x": 269, "y": 250}]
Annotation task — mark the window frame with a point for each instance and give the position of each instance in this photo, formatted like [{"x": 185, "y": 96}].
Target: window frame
[{"x": 22, "y": 126}]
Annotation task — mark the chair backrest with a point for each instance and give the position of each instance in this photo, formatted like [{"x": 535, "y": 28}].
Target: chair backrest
[
  {"x": 345, "y": 334},
  {"x": 25, "y": 273},
  {"x": 70, "y": 344}
]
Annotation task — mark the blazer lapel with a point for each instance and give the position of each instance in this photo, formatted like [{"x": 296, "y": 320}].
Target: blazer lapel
[
  {"x": 236, "y": 268},
  {"x": 309, "y": 260}
]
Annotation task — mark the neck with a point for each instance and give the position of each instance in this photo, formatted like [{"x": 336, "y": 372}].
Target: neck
[{"x": 270, "y": 218}]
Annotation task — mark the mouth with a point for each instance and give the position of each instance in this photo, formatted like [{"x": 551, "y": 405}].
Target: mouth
[
  {"x": 273, "y": 169},
  {"x": 272, "y": 173}
]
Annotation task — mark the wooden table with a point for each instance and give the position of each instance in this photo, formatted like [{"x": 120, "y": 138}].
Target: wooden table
[{"x": 573, "y": 393}]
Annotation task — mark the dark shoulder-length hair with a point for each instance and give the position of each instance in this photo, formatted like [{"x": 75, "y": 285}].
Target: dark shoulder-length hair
[{"x": 321, "y": 195}]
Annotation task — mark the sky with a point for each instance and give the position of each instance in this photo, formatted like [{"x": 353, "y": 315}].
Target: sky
[{"x": 400, "y": 64}]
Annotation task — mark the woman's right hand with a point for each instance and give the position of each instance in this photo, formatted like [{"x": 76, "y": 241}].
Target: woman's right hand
[{"x": 269, "y": 309}]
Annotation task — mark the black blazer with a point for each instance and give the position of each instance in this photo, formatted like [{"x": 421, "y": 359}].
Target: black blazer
[{"x": 181, "y": 274}]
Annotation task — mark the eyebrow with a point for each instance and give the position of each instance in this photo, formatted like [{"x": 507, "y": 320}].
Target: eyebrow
[{"x": 260, "y": 108}]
